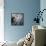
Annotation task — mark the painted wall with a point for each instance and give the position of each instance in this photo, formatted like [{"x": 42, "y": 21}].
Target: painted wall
[{"x": 29, "y": 8}]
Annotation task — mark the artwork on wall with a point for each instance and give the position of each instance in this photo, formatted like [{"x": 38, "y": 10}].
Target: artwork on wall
[
  {"x": 17, "y": 19},
  {"x": 39, "y": 16}
]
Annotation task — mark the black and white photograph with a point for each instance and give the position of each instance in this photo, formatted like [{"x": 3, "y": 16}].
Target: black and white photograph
[{"x": 17, "y": 19}]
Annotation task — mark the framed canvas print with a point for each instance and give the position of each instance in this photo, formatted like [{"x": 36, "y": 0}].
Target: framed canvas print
[{"x": 17, "y": 18}]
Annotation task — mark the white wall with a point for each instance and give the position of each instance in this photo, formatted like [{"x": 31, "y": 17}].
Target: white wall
[
  {"x": 1, "y": 20},
  {"x": 43, "y": 6}
]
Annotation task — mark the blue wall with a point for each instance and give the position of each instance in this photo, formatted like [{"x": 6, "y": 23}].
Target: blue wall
[{"x": 28, "y": 7}]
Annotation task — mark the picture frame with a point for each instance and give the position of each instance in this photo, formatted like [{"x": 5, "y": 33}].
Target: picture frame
[{"x": 17, "y": 19}]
